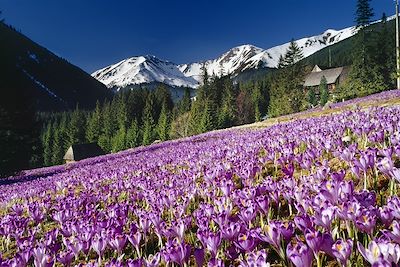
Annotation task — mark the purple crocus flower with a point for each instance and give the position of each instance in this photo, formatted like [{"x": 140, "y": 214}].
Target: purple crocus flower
[
  {"x": 299, "y": 254},
  {"x": 386, "y": 215},
  {"x": 314, "y": 240},
  {"x": 135, "y": 263},
  {"x": 177, "y": 252},
  {"x": 65, "y": 257},
  {"x": 327, "y": 243},
  {"x": 246, "y": 242},
  {"x": 199, "y": 256},
  {"x": 342, "y": 250},
  {"x": 41, "y": 259},
  {"x": 99, "y": 245},
  {"x": 366, "y": 222},
  {"x": 213, "y": 240},
  {"x": 303, "y": 222},
  {"x": 372, "y": 254},
  {"x": 271, "y": 233},
  {"x": 118, "y": 242},
  {"x": 231, "y": 231},
  {"x": 153, "y": 260},
  {"x": 135, "y": 239},
  {"x": 257, "y": 258},
  {"x": 396, "y": 174}
]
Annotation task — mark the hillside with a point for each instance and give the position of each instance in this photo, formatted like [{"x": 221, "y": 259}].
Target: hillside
[
  {"x": 341, "y": 53},
  {"x": 28, "y": 69}
]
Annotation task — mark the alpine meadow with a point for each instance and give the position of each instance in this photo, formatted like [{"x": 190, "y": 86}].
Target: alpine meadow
[{"x": 280, "y": 156}]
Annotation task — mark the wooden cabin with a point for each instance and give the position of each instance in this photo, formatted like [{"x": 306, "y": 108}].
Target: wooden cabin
[
  {"x": 334, "y": 77},
  {"x": 82, "y": 151}
]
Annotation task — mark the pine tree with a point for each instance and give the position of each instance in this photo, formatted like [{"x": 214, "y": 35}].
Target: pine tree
[
  {"x": 226, "y": 115},
  {"x": 133, "y": 135},
  {"x": 383, "y": 54},
  {"x": 108, "y": 128},
  {"x": 311, "y": 98},
  {"x": 364, "y": 13},
  {"x": 206, "y": 122},
  {"x": 76, "y": 128},
  {"x": 185, "y": 103},
  {"x": 286, "y": 95},
  {"x": 293, "y": 55},
  {"x": 58, "y": 149},
  {"x": 93, "y": 129},
  {"x": 366, "y": 76},
  {"x": 48, "y": 138},
  {"x": 118, "y": 141},
  {"x": 148, "y": 121},
  {"x": 324, "y": 93},
  {"x": 257, "y": 99},
  {"x": 163, "y": 124}
]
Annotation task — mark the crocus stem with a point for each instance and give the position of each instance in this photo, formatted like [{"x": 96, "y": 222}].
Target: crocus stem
[
  {"x": 365, "y": 180},
  {"x": 319, "y": 262}
]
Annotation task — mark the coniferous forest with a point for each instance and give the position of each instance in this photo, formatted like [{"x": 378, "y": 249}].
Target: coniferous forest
[{"x": 140, "y": 117}]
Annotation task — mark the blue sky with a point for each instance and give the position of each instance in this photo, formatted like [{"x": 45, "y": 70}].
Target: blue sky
[{"x": 94, "y": 33}]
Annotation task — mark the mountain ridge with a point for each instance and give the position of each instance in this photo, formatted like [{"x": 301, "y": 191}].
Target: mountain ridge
[{"x": 134, "y": 70}]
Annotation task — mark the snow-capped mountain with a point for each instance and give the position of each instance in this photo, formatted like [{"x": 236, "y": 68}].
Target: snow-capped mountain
[
  {"x": 148, "y": 69},
  {"x": 143, "y": 69}
]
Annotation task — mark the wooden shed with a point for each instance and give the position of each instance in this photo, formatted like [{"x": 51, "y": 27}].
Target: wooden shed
[
  {"x": 334, "y": 77},
  {"x": 82, "y": 151}
]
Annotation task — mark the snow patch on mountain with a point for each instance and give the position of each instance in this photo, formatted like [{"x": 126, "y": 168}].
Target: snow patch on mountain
[{"x": 42, "y": 86}]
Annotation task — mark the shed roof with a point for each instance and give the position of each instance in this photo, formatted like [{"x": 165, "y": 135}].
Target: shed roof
[
  {"x": 83, "y": 151},
  {"x": 331, "y": 75}
]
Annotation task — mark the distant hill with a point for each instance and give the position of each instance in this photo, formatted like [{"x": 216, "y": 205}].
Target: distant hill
[{"x": 52, "y": 83}]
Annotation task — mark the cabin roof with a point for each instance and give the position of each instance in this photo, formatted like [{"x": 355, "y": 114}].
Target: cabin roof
[
  {"x": 331, "y": 75},
  {"x": 82, "y": 151}
]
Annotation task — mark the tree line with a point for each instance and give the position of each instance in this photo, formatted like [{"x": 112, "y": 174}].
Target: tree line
[{"x": 140, "y": 117}]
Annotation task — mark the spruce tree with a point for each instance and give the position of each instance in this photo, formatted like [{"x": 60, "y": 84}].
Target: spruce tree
[
  {"x": 58, "y": 149},
  {"x": 148, "y": 121},
  {"x": 226, "y": 115},
  {"x": 48, "y": 138},
  {"x": 118, "y": 141},
  {"x": 366, "y": 76},
  {"x": 94, "y": 124},
  {"x": 311, "y": 98},
  {"x": 364, "y": 13},
  {"x": 163, "y": 124},
  {"x": 324, "y": 93},
  {"x": 76, "y": 128},
  {"x": 133, "y": 135},
  {"x": 185, "y": 102},
  {"x": 257, "y": 99},
  {"x": 108, "y": 129},
  {"x": 286, "y": 94},
  {"x": 383, "y": 54},
  {"x": 206, "y": 122}
]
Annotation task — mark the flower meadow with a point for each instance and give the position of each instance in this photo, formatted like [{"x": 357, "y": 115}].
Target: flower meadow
[{"x": 312, "y": 192}]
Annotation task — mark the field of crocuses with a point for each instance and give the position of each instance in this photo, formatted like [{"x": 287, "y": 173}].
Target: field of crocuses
[{"x": 314, "y": 192}]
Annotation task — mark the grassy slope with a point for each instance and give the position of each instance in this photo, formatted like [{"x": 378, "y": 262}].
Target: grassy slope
[{"x": 364, "y": 103}]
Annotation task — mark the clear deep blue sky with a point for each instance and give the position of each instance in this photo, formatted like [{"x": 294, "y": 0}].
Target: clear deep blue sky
[{"x": 94, "y": 33}]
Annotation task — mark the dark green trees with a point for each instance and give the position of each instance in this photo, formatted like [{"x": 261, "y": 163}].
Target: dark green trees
[
  {"x": 366, "y": 75},
  {"x": 287, "y": 92},
  {"x": 323, "y": 91}
]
